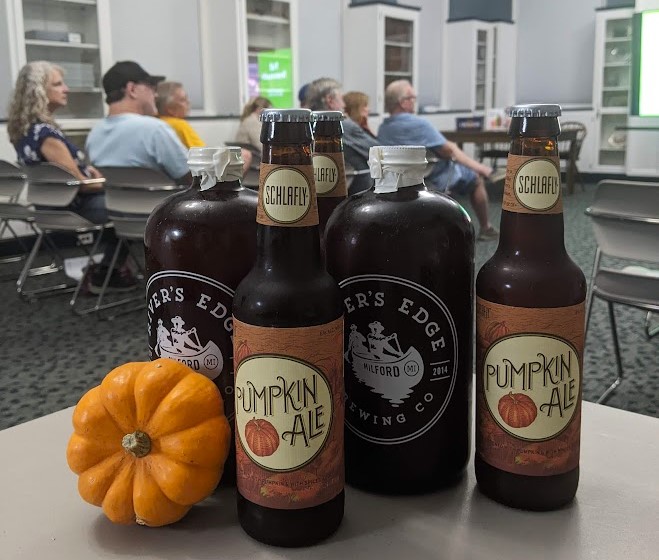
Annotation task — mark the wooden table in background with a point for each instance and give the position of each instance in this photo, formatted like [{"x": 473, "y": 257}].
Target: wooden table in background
[{"x": 481, "y": 137}]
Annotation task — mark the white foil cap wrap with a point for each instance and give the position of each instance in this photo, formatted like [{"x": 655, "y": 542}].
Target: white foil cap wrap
[
  {"x": 394, "y": 167},
  {"x": 216, "y": 165}
]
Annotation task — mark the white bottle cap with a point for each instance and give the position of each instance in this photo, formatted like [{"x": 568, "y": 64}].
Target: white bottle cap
[
  {"x": 393, "y": 167},
  {"x": 216, "y": 165}
]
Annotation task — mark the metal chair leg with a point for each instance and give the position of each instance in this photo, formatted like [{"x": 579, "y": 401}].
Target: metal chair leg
[
  {"x": 589, "y": 298},
  {"x": 650, "y": 331},
  {"x": 616, "y": 349}
]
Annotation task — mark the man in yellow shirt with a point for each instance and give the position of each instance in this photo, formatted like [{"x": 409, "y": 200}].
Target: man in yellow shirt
[{"x": 173, "y": 106}]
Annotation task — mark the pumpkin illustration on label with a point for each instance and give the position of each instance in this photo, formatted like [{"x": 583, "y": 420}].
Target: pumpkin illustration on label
[
  {"x": 517, "y": 410},
  {"x": 241, "y": 352},
  {"x": 261, "y": 437},
  {"x": 495, "y": 331}
]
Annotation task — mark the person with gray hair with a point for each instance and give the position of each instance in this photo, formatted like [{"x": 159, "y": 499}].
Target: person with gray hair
[
  {"x": 324, "y": 94},
  {"x": 173, "y": 106},
  {"x": 455, "y": 171}
]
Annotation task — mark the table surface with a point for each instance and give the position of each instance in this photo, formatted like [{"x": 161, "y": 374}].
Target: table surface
[
  {"x": 615, "y": 514},
  {"x": 496, "y": 136}
]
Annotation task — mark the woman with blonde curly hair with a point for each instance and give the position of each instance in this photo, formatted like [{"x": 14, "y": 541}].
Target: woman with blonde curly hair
[
  {"x": 40, "y": 90},
  {"x": 356, "y": 107}
]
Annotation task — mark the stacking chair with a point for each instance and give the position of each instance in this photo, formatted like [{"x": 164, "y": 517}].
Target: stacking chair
[
  {"x": 13, "y": 182},
  {"x": 494, "y": 151},
  {"x": 625, "y": 217},
  {"x": 51, "y": 189},
  {"x": 564, "y": 148},
  {"x": 131, "y": 194}
]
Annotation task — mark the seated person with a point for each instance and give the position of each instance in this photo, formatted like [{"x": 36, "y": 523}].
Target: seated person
[
  {"x": 249, "y": 131},
  {"x": 40, "y": 90},
  {"x": 173, "y": 106},
  {"x": 325, "y": 94},
  {"x": 455, "y": 172},
  {"x": 357, "y": 109},
  {"x": 131, "y": 136}
]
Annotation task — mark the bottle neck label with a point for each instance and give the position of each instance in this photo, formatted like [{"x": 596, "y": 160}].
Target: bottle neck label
[
  {"x": 533, "y": 185},
  {"x": 329, "y": 173},
  {"x": 287, "y": 196},
  {"x": 289, "y": 414},
  {"x": 528, "y": 387}
]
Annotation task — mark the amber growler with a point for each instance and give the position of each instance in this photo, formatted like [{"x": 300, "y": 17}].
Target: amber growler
[
  {"x": 199, "y": 245},
  {"x": 328, "y": 164},
  {"x": 404, "y": 259},
  {"x": 288, "y": 343},
  {"x": 530, "y": 332}
]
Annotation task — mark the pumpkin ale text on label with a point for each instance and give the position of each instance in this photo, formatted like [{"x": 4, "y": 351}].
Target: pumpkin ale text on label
[{"x": 289, "y": 420}]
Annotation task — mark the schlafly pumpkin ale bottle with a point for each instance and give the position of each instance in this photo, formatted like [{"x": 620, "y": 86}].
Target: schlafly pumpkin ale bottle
[
  {"x": 288, "y": 342},
  {"x": 328, "y": 164},
  {"x": 530, "y": 332},
  {"x": 199, "y": 245},
  {"x": 404, "y": 259}
]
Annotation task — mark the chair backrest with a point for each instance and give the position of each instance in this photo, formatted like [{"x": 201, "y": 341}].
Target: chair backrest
[
  {"x": 52, "y": 185},
  {"x": 131, "y": 194},
  {"x": 580, "y": 128},
  {"x": 625, "y": 217},
  {"x": 13, "y": 180}
]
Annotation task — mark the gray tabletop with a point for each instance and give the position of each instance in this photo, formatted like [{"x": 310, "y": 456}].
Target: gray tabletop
[{"x": 615, "y": 515}]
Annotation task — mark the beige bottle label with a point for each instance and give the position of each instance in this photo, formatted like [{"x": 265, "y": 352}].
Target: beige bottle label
[
  {"x": 287, "y": 196},
  {"x": 528, "y": 400},
  {"x": 533, "y": 185},
  {"x": 329, "y": 172},
  {"x": 289, "y": 414}
]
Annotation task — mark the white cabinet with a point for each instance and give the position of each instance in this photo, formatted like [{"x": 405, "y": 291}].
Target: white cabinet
[
  {"x": 380, "y": 45},
  {"x": 249, "y": 48},
  {"x": 611, "y": 87},
  {"x": 479, "y": 63},
  {"x": 66, "y": 33}
]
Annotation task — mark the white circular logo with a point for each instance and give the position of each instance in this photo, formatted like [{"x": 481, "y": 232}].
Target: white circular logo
[
  {"x": 286, "y": 195},
  {"x": 283, "y": 411},
  {"x": 326, "y": 173},
  {"x": 538, "y": 184},
  {"x": 531, "y": 384}
]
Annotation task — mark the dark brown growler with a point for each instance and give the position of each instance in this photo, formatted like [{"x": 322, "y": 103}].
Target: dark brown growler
[
  {"x": 328, "y": 164},
  {"x": 199, "y": 245},
  {"x": 404, "y": 259},
  {"x": 530, "y": 332},
  {"x": 288, "y": 341}
]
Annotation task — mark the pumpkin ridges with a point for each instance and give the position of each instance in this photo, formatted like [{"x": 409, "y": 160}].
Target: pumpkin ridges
[
  {"x": 192, "y": 401},
  {"x": 117, "y": 393},
  {"x": 517, "y": 410},
  {"x": 153, "y": 383},
  {"x": 91, "y": 417},
  {"x": 200, "y": 445},
  {"x": 83, "y": 453},
  {"x": 181, "y": 483},
  {"x": 118, "y": 501},
  {"x": 152, "y": 507},
  {"x": 94, "y": 483}
]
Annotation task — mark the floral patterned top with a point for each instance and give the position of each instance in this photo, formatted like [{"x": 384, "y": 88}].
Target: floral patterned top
[{"x": 28, "y": 148}]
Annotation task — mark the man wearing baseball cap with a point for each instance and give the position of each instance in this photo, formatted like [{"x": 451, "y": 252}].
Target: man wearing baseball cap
[{"x": 131, "y": 136}]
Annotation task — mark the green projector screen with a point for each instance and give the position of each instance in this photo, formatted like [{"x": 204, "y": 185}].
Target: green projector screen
[{"x": 645, "y": 70}]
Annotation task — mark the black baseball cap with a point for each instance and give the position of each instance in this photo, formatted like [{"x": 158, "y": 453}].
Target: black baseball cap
[{"x": 116, "y": 78}]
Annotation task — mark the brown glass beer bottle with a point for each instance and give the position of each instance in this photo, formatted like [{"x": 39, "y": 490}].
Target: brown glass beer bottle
[
  {"x": 328, "y": 164},
  {"x": 199, "y": 245},
  {"x": 288, "y": 343},
  {"x": 404, "y": 260},
  {"x": 530, "y": 332}
]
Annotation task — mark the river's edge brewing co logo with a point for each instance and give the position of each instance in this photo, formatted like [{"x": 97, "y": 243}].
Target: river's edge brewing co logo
[
  {"x": 189, "y": 320},
  {"x": 401, "y": 358}
]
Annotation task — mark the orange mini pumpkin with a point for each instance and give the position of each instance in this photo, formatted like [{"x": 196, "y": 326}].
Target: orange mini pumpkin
[
  {"x": 149, "y": 442},
  {"x": 517, "y": 410},
  {"x": 262, "y": 437}
]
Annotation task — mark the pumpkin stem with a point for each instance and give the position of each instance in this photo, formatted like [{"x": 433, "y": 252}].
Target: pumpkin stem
[{"x": 138, "y": 443}]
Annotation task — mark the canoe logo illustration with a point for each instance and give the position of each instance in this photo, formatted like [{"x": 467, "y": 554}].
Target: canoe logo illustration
[
  {"x": 379, "y": 361},
  {"x": 183, "y": 344}
]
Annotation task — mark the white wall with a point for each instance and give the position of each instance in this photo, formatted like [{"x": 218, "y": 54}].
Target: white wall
[
  {"x": 555, "y": 51},
  {"x": 162, "y": 36},
  {"x": 432, "y": 23}
]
